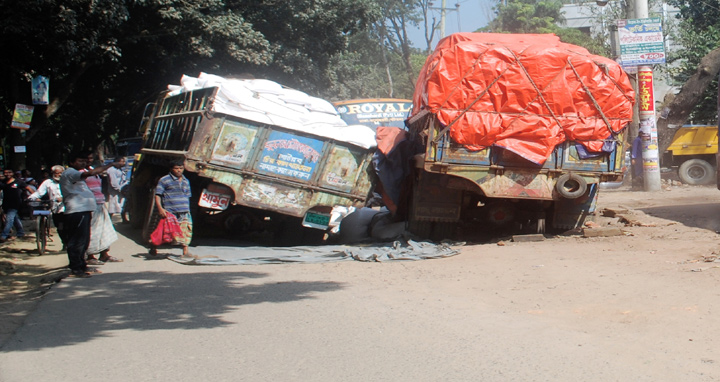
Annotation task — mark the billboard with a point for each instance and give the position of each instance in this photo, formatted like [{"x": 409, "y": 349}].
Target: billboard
[
  {"x": 374, "y": 112},
  {"x": 641, "y": 42}
]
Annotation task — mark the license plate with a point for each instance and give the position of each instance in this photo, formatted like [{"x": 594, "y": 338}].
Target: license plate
[
  {"x": 316, "y": 220},
  {"x": 214, "y": 200}
]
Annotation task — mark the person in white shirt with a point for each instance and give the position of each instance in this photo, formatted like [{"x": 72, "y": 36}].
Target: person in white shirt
[{"x": 117, "y": 179}]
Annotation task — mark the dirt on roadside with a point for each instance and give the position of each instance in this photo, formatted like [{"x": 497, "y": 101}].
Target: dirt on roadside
[{"x": 25, "y": 277}]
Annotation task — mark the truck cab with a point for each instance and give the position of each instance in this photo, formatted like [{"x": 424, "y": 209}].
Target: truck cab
[{"x": 692, "y": 152}]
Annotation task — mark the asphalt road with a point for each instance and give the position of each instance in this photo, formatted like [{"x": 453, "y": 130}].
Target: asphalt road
[{"x": 567, "y": 309}]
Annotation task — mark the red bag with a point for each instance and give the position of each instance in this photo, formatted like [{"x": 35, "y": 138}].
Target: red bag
[{"x": 167, "y": 230}]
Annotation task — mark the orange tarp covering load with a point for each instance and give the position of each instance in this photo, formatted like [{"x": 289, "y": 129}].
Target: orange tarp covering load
[{"x": 526, "y": 93}]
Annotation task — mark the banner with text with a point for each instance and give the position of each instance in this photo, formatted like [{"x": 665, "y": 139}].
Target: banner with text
[
  {"x": 22, "y": 116},
  {"x": 641, "y": 42}
]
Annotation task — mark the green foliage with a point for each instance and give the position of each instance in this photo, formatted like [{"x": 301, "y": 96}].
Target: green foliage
[
  {"x": 596, "y": 45},
  {"x": 526, "y": 16},
  {"x": 360, "y": 72},
  {"x": 698, "y": 33},
  {"x": 107, "y": 59},
  {"x": 530, "y": 16}
]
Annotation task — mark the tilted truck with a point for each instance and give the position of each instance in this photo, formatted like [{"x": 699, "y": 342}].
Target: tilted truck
[
  {"x": 259, "y": 157},
  {"x": 517, "y": 129},
  {"x": 693, "y": 151}
]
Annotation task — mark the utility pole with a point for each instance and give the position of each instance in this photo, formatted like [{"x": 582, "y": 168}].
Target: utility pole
[
  {"x": 648, "y": 127},
  {"x": 646, "y": 111},
  {"x": 443, "y": 15},
  {"x": 442, "y": 19}
]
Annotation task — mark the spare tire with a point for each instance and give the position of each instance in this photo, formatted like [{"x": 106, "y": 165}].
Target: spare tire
[
  {"x": 571, "y": 186},
  {"x": 696, "y": 171}
]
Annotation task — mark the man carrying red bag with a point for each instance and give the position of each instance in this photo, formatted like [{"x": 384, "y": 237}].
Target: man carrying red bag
[{"x": 172, "y": 197}]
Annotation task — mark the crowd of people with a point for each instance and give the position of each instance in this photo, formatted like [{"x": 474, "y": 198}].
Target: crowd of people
[
  {"x": 82, "y": 211},
  {"x": 77, "y": 204}
]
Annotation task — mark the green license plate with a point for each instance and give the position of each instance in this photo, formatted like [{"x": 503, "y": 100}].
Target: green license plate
[{"x": 316, "y": 220}]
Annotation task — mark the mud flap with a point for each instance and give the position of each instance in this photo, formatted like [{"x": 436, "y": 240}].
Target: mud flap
[{"x": 571, "y": 213}]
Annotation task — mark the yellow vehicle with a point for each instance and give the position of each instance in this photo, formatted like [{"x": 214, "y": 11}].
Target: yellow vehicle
[{"x": 693, "y": 151}]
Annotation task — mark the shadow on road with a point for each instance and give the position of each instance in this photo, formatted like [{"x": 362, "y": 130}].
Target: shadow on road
[
  {"x": 706, "y": 215},
  {"x": 151, "y": 301},
  {"x": 202, "y": 237}
]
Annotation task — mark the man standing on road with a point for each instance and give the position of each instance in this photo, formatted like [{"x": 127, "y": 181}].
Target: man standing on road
[
  {"x": 102, "y": 231},
  {"x": 12, "y": 202},
  {"x": 172, "y": 196},
  {"x": 116, "y": 177},
  {"x": 637, "y": 162},
  {"x": 79, "y": 205}
]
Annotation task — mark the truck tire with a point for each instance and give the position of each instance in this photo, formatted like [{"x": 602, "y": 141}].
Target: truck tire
[
  {"x": 696, "y": 171},
  {"x": 571, "y": 186}
]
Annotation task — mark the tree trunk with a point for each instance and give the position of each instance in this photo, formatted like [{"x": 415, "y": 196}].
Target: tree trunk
[{"x": 679, "y": 109}]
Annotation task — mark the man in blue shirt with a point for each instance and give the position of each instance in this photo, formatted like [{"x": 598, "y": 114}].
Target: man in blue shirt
[{"x": 172, "y": 196}]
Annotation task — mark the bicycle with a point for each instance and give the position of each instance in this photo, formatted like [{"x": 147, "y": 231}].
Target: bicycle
[{"x": 41, "y": 213}]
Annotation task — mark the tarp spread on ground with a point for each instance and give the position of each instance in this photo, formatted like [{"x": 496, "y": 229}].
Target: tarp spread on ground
[
  {"x": 268, "y": 102},
  {"x": 397, "y": 250},
  {"x": 526, "y": 93}
]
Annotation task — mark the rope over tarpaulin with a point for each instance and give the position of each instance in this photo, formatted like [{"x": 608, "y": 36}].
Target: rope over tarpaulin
[{"x": 526, "y": 93}]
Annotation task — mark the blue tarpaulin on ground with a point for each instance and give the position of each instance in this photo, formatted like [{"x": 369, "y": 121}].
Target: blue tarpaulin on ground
[{"x": 397, "y": 250}]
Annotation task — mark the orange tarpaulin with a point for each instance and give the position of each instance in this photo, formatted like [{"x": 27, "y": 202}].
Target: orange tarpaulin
[{"x": 526, "y": 93}]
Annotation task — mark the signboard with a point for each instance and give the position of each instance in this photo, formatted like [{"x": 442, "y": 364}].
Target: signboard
[
  {"x": 214, "y": 200},
  {"x": 645, "y": 92},
  {"x": 375, "y": 112},
  {"x": 22, "y": 116},
  {"x": 40, "y": 90},
  {"x": 290, "y": 155},
  {"x": 641, "y": 41}
]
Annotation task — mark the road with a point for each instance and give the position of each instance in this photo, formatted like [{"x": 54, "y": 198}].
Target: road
[{"x": 635, "y": 307}]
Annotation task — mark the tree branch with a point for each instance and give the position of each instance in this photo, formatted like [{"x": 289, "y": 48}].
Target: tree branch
[{"x": 681, "y": 107}]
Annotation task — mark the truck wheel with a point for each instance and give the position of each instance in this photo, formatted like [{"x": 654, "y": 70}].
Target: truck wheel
[
  {"x": 571, "y": 186},
  {"x": 696, "y": 171}
]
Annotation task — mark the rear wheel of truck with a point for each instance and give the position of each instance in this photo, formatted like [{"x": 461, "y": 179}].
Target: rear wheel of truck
[{"x": 696, "y": 171}]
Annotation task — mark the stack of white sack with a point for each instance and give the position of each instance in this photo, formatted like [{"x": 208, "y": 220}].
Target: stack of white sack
[{"x": 268, "y": 102}]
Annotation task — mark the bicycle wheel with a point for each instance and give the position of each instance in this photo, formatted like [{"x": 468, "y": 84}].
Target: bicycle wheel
[{"x": 41, "y": 234}]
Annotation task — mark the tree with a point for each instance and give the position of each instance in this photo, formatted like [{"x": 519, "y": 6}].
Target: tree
[
  {"x": 526, "y": 16},
  {"x": 530, "y": 16},
  {"x": 699, "y": 34},
  {"x": 107, "y": 59},
  {"x": 398, "y": 16},
  {"x": 689, "y": 96},
  {"x": 430, "y": 25}
]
